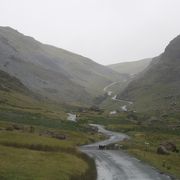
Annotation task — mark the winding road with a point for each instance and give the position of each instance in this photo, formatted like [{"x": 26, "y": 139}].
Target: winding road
[
  {"x": 114, "y": 97},
  {"x": 117, "y": 165}
]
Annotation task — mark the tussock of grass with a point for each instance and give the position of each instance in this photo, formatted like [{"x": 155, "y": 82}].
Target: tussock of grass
[
  {"x": 143, "y": 132},
  {"x": 166, "y": 163},
  {"x": 16, "y": 101},
  {"x": 27, "y": 164},
  {"x": 44, "y": 143},
  {"x": 26, "y": 139},
  {"x": 169, "y": 164},
  {"x": 27, "y": 156}
]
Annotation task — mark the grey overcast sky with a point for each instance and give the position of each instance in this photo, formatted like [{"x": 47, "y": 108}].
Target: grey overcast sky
[{"x": 107, "y": 31}]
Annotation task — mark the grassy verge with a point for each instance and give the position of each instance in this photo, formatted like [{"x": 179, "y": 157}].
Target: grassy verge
[
  {"x": 26, "y": 155},
  {"x": 138, "y": 147},
  {"x": 143, "y": 144},
  {"x": 146, "y": 133},
  {"x": 36, "y": 140},
  {"x": 28, "y": 164}
]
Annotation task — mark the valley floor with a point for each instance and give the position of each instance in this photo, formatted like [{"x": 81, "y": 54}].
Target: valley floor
[
  {"x": 117, "y": 165},
  {"x": 37, "y": 152},
  {"x": 145, "y": 138}
]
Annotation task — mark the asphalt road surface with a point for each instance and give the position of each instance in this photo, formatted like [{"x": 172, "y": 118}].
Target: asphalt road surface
[{"x": 117, "y": 165}]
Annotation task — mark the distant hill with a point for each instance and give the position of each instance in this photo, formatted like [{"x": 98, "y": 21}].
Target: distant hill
[
  {"x": 55, "y": 73},
  {"x": 131, "y": 68},
  {"x": 16, "y": 99},
  {"x": 9, "y": 83},
  {"x": 158, "y": 88}
]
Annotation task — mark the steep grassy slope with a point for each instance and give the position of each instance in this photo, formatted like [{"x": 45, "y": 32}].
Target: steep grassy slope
[
  {"x": 158, "y": 88},
  {"x": 38, "y": 155},
  {"x": 133, "y": 67},
  {"x": 17, "y": 99},
  {"x": 147, "y": 132},
  {"x": 29, "y": 143},
  {"x": 39, "y": 165},
  {"x": 8, "y": 83},
  {"x": 52, "y": 72}
]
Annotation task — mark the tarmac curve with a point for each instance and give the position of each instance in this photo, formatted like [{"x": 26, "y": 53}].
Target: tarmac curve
[{"x": 117, "y": 165}]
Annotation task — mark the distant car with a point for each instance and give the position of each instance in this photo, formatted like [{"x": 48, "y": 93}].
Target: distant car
[{"x": 102, "y": 147}]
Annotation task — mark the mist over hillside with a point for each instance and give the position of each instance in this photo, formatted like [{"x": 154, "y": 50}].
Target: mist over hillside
[
  {"x": 158, "y": 87},
  {"x": 89, "y": 90},
  {"x": 52, "y": 72},
  {"x": 132, "y": 68}
]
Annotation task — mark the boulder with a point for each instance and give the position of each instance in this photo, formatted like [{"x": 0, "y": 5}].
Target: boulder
[
  {"x": 170, "y": 146},
  {"x": 93, "y": 129},
  {"x": 162, "y": 150},
  {"x": 9, "y": 128},
  {"x": 60, "y": 137},
  {"x": 16, "y": 127}
]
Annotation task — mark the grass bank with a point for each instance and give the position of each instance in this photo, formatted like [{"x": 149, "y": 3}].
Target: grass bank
[
  {"x": 147, "y": 132},
  {"x": 144, "y": 143},
  {"x": 36, "y": 155}
]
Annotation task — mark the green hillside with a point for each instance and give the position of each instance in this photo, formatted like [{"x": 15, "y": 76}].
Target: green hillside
[
  {"x": 54, "y": 73},
  {"x": 30, "y": 131},
  {"x": 158, "y": 88},
  {"x": 133, "y": 67},
  {"x": 9, "y": 83}
]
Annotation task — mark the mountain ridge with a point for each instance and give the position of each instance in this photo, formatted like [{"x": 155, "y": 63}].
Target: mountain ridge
[
  {"x": 131, "y": 67},
  {"x": 50, "y": 71},
  {"x": 158, "y": 87}
]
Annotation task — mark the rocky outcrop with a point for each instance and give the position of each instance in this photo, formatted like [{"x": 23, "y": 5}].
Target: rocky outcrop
[
  {"x": 162, "y": 150},
  {"x": 158, "y": 87},
  {"x": 170, "y": 146},
  {"x": 166, "y": 148}
]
